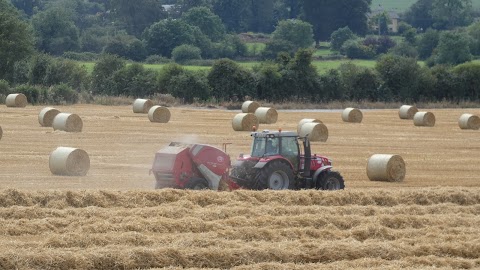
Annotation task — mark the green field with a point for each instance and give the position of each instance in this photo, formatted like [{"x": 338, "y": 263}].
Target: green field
[{"x": 403, "y": 5}]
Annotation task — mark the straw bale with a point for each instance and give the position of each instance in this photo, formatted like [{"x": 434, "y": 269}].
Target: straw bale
[
  {"x": 316, "y": 132},
  {"x": 245, "y": 122},
  {"x": 69, "y": 161},
  {"x": 250, "y": 106},
  {"x": 382, "y": 167},
  {"x": 266, "y": 115},
  {"x": 16, "y": 100},
  {"x": 407, "y": 111},
  {"x": 142, "y": 105},
  {"x": 159, "y": 114},
  {"x": 469, "y": 121},
  {"x": 46, "y": 116},
  {"x": 68, "y": 122},
  {"x": 352, "y": 115},
  {"x": 306, "y": 120},
  {"x": 425, "y": 119}
]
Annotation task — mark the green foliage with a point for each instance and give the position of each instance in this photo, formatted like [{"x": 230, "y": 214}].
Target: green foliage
[
  {"x": 339, "y": 36},
  {"x": 419, "y": 16},
  {"x": 66, "y": 72},
  {"x": 16, "y": 42},
  {"x": 298, "y": 32},
  {"x": 274, "y": 47},
  {"x": 379, "y": 44},
  {"x": 235, "y": 14},
  {"x": 448, "y": 86},
  {"x": 427, "y": 42},
  {"x": 474, "y": 33},
  {"x": 83, "y": 56},
  {"x": 231, "y": 47},
  {"x": 358, "y": 83},
  {"x": 403, "y": 27},
  {"x": 410, "y": 35},
  {"x": 103, "y": 72},
  {"x": 184, "y": 53},
  {"x": 469, "y": 74},
  {"x": 136, "y": 15},
  {"x": 38, "y": 68},
  {"x": 229, "y": 81},
  {"x": 4, "y": 88},
  {"x": 268, "y": 81},
  {"x": 62, "y": 94},
  {"x": 404, "y": 49},
  {"x": 35, "y": 94},
  {"x": 166, "y": 75},
  {"x": 354, "y": 49},
  {"x": 448, "y": 14},
  {"x": 162, "y": 37},
  {"x": 190, "y": 86},
  {"x": 453, "y": 48},
  {"x": 133, "y": 80},
  {"x": 209, "y": 23},
  {"x": 94, "y": 39}
]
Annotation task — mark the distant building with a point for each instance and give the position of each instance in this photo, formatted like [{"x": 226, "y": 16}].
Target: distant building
[
  {"x": 168, "y": 8},
  {"x": 392, "y": 15}
]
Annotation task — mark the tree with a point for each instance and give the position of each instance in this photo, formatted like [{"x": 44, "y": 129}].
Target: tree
[
  {"x": 427, "y": 42},
  {"x": 209, "y": 23},
  {"x": 103, "y": 72},
  {"x": 326, "y": 16},
  {"x": 184, "y": 53},
  {"x": 474, "y": 32},
  {"x": 448, "y": 14},
  {"x": 453, "y": 48},
  {"x": 230, "y": 81},
  {"x": 338, "y": 37},
  {"x": 235, "y": 14},
  {"x": 263, "y": 16},
  {"x": 165, "y": 35},
  {"x": 16, "y": 41},
  {"x": 55, "y": 31},
  {"x": 190, "y": 86},
  {"x": 298, "y": 32},
  {"x": 418, "y": 15},
  {"x": 135, "y": 16}
]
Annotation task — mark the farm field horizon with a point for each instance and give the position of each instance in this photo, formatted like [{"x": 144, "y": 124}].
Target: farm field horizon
[{"x": 113, "y": 218}]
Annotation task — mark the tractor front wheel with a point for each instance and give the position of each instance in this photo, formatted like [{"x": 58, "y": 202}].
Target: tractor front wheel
[
  {"x": 330, "y": 180},
  {"x": 197, "y": 184},
  {"x": 275, "y": 175}
]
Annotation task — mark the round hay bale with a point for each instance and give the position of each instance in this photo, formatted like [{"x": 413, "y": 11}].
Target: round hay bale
[
  {"x": 68, "y": 122},
  {"x": 69, "y": 161},
  {"x": 383, "y": 167},
  {"x": 424, "y": 119},
  {"x": 142, "y": 105},
  {"x": 407, "y": 112},
  {"x": 352, "y": 115},
  {"x": 316, "y": 132},
  {"x": 16, "y": 100},
  {"x": 266, "y": 115},
  {"x": 469, "y": 121},
  {"x": 250, "y": 106},
  {"x": 46, "y": 116},
  {"x": 306, "y": 120},
  {"x": 244, "y": 122},
  {"x": 159, "y": 114}
]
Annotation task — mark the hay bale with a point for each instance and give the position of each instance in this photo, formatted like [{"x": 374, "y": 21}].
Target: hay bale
[
  {"x": 306, "y": 120},
  {"x": 469, "y": 121},
  {"x": 46, "y": 116},
  {"x": 266, "y": 115},
  {"x": 250, "y": 106},
  {"x": 383, "y": 167},
  {"x": 142, "y": 105},
  {"x": 316, "y": 132},
  {"x": 352, "y": 115},
  {"x": 245, "y": 122},
  {"x": 69, "y": 161},
  {"x": 424, "y": 119},
  {"x": 16, "y": 100},
  {"x": 68, "y": 122},
  {"x": 159, "y": 114},
  {"x": 407, "y": 112}
]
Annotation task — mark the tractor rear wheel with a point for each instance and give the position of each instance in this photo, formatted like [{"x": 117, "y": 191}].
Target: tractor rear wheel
[
  {"x": 276, "y": 175},
  {"x": 197, "y": 184},
  {"x": 330, "y": 180}
]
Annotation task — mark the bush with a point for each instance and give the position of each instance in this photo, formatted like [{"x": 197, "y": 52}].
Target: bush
[
  {"x": 338, "y": 37},
  {"x": 469, "y": 73},
  {"x": 103, "y": 72},
  {"x": 81, "y": 56},
  {"x": 35, "y": 94},
  {"x": 157, "y": 59},
  {"x": 68, "y": 72},
  {"x": 190, "y": 86},
  {"x": 229, "y": 81},
  {"x": 62, "y": 94},
  {"x": 353, "y": 49},
  {"x": 275, "y": 47},
  {"x": 404, "y": 49},
  {"x": 166, "y": 75},
  {"x": 134, "y": 80},
  {"x": 231, "y": 47},
  {"x": 185, "y": 52},
  {"x": 4, "y": 88},
  {"x": 38, "y": 68}
]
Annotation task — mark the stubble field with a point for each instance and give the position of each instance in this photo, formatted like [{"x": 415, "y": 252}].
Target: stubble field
[{"x": 114, "y": 219}]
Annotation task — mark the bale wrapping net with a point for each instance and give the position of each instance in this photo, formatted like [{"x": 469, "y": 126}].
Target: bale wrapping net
[
  {"x": 245, "y": 122},
  {"x": 46, "y": 116},
  {"x": 306, "y": 120},
  {"x": 69, "y": 161},
  {"x": 424, "y": 119},
  {"x": 68, "y": 122},
  {"x": 469, "y": 121},
  {"x": 159, "y": 114},
  {"x": 250, "y": 106},
  {"x": 407, "y": 112},
  {"x": 266, "y": 115},
  {"x": 382, "y": 167},
  {"x": 316, "y": 132},
  {"x": 352, "y": 115},
  {"x": 16, "y": 100},
  {"x": 142, "y": 105}
]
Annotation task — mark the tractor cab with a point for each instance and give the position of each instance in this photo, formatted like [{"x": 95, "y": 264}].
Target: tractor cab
[{"x": 276, "y": 144}]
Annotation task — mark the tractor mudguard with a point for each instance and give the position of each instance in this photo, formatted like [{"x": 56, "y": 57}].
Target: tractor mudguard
[
  {"x": 320, "y": 170},
  {"x": 260, "y": 164}
]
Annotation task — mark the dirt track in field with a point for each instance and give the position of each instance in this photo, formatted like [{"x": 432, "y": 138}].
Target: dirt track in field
[{"x": 113, "y": 219}]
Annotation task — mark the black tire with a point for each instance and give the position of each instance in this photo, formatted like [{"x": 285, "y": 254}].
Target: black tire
[
  {"x": 197, "y": 184},
  {"x": 276, "y": 175},
  {"x": 330, "y": 180}
]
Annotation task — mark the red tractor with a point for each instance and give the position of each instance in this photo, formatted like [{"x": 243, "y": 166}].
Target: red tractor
[{"x": 277, "y": 161}]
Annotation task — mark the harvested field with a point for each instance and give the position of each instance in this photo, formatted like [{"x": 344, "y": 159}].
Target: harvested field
[{"x": 113, "y": 219}]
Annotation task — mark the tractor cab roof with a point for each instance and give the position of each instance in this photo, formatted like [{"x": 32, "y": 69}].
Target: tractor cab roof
[{"x": 273, "y": 134}]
